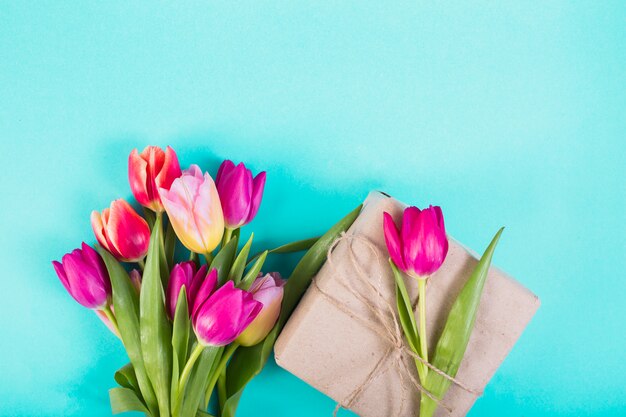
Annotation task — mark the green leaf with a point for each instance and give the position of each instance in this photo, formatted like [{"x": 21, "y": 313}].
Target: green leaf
[
  {"x": 291, "y": 247},
  {"x": 457, "y": 331},
  {"x": 405, "y": 310},
  {"x": 180, "y": 340},
  {"x": 125, "y": 399},
  {"x": 249, "y": 361},
  {"x": 170, "y": 245},
  {"x": 201, "y": 413},
  {"x": 155, "y": 328},
  {"x": 223, "y": 261},
  {"x": 126, "y": 306},
  {"x": 236, "y": 271},
  {"x": 253, "y": 272},
  {"x": 199, "y": 379},
  {"x": 150, "y": 217},
  {"x": 125, "y": 376}
]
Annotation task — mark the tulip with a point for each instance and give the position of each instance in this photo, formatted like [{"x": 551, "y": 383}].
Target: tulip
[
  {"x": 150, "y": 170},
  {"x": 135, "y": 279},
  {"x": 268, "y": 290},
  {"x": 223, "y": 315},
  {"x": 418, "y": 250},
  {"x": 240, "y": 194},
  {"x": 194, "y": 209},
  {"x": 198, "y": 286},
  {"x": 84, "y": 275},
  {"x": 421, "y": 245},
  {"x": 121, "y": 231}
]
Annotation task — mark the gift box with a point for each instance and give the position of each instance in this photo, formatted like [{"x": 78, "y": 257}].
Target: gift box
[{"x": 340, "y": 337}]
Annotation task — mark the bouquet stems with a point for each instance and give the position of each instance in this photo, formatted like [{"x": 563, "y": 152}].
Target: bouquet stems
[{"x": 422, "y": 329}]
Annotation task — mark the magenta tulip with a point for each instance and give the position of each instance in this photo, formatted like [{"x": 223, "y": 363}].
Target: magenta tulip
[
  {"x": 194, "y": 209},
  {"x": 121, "y": 231},
  {"x": 84, "y": 275},
  {"x": 198, "y": 286},
  {"x": 240, "y": 194},
  {"x": 150, "y": 170},
  {"x": 420, "y": 247},
  {"x": 224, "y": 315},
  {"x": 267, "y": 289}
]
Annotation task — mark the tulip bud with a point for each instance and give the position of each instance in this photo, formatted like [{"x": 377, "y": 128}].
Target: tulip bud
[
  {"x": 194, "y": 209},
  {"x": 420, "y": 247},
  {"x": 221, "y": 317},
  {"x": 135, "y": 279},
  {"x": 150, "y": 170},
  {"x": 268, "y": 290},
  {"x": 84, "y": 275},
  {"x": 121, "y": 231},
  {"x": 240, "y": 194}
]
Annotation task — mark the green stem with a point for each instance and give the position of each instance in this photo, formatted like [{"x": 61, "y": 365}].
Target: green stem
[
  {"x": 142, "y": 264},
  {"x": 228, "y": 233},
  {"x": 422, "y": 318},
  {"x": 230, "y": 350},
  {"x": 184, "y": 376},
  {"x": 208, "y": 257},
  {"x": 109, "y": 313},
  {"x": 221, "y": 389}
]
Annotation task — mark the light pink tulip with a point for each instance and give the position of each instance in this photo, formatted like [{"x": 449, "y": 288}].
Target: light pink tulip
[
  {"x": 194, "y": 209},
  {"x": 267, "y": 289},
  {"x": 420, "y": 247},
  {"x": 121, "y": 231}
]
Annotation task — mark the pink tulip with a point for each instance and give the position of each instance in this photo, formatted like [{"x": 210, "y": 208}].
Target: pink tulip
[
  {"x": 150, "y": 170},
  {"x": 240, "y": 194},
  {"x": 198, "y": 286},
  {"x": 121, "y": 231},
  {"x": 421, "y": 245},
  {"x": 268, "y": 290},
  {"x": 194, "y": 209},
  {"x": 224, "y": 315},
  {"x": 84, "y": 275}
]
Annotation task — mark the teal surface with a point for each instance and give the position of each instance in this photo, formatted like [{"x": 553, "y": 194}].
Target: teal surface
[{"x": 504, "y": 113}]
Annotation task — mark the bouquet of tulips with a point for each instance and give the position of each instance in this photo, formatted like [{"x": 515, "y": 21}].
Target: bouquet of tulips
[{"x": 189, "y": 326}]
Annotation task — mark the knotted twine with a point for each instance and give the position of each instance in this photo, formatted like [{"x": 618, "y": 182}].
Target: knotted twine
[{"x": 392, "y": 332}]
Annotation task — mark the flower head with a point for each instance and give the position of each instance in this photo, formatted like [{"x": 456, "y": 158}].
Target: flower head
[
  {"x": 84, "y": 275},
  {"x": 239, "y": 192},
  {"x": 194, "y": 209},
  {"x": 121, "y": 231},
  {"x": 150, "y": 170},
  {"x": 420, "y": 246}
]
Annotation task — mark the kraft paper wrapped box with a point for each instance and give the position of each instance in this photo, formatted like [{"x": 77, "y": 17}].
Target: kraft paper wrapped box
[{"x": 331, "y": 340}]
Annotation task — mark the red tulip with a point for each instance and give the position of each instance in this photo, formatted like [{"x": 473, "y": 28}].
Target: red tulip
[
  {"x": 420, "y": 247},
  {"x": 150, "y": 170},
  {"x": 121, "y": 231}
]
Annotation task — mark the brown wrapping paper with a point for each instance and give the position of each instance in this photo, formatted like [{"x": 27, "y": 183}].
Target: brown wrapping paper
[{"x": 331, "y": 349}]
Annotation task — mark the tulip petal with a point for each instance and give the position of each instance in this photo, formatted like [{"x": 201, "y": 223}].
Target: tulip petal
[
  {"x": 235, "y": 193},
  {"x": 169, "y": 171},
  {"x": 258, "y": 186},
  {"x": 207, "y": 284},
  {"x": 392, "y": 239},
  {"x": 58, "y": 267},
  {"x": 226, "y": 167},
  {"x": 127, "y": 231},
  {"x": 138, "y": 177}
]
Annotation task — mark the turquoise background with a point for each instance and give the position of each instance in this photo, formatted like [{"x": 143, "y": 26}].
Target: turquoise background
[{"x": 504, "y": 113}]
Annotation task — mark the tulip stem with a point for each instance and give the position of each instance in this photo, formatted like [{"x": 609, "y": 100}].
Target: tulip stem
[
  {"x": 228, "y": 233},
  {"x": 184, "y": 376},
  {"x": 421, "y": 282},
  {"x": 209, "y": 258},
  {"x": 109, "y": 313},
  {"x": 142, "y": 264},
  {"x": 221, "y": 366}
]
